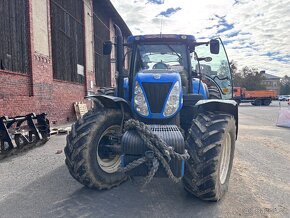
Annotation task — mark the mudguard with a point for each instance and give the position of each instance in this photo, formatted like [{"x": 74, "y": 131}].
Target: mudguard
[
  {"x": 112, "y": 102},
  {"x": 227, "y": 106}
]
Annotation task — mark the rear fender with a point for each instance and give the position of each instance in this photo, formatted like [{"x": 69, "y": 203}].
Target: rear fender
[
  {"x": 227, "y": 106},
  {"x": 112, "y": 102}
]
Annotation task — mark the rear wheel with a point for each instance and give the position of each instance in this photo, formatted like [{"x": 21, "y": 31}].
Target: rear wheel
[
  {"x": 257, "y": 102},
  {"x": 214, "y": 93},
  {"x": 211, "y": 145},
  {"x": 266, "y": 102},
  {"x": 90, "y": 154}
]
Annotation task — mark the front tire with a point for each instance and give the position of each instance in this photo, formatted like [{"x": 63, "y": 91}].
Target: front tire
[
  {"x": 211, "y": 145},
  {"x": 89, "y": 161}
]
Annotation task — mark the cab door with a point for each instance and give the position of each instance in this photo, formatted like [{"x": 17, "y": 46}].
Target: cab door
[{"x": 214, "y": 69}]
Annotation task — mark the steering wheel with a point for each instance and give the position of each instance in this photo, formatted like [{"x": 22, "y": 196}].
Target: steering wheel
[{"x": 160, "y": 65}]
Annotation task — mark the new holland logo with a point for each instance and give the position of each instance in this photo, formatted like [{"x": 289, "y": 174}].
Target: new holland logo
[{"x": 156, "y": 76}]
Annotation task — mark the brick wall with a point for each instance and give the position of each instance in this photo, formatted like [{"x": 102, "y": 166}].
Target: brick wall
[
  {"x": 37, "y": 92},
  {"x": 63, "y": 96},
  {"x": 13, "y": 84},
  {"x": 54, "y": 97}
]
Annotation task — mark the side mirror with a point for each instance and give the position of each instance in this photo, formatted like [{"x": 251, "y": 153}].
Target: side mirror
[
  {"x": 214, "y": 46},
  {"x": 107, "y": 47}
]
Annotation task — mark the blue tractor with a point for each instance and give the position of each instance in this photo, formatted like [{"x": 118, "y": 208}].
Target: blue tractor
[{"x": 169, "y": 115}]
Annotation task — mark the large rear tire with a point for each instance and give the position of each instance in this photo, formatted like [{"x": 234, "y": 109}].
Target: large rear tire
[
  {"x": 211, "y": 145},
  {"x": 89, "y": 161},
  {"x": 214, "y": 93}
]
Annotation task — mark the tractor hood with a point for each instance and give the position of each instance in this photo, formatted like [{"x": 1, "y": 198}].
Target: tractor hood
[{"x": 157, "y": 94}]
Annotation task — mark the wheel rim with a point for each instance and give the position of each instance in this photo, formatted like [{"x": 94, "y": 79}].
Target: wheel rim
[
  {"x": 108, "y": 163},
  {"x": 225, "y": 158}
]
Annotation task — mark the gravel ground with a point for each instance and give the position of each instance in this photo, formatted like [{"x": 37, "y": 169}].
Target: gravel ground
[{"x": 37, "y": 183}]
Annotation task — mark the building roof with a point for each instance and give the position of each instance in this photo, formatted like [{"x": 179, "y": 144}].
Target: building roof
[
  {"x": 116, "y": 17},
  {"x": 270, "y": 76}
]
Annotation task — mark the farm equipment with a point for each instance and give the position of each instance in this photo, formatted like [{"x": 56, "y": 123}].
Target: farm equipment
[
  {"x": 22, "y": 132},
  {"x": 170, "y": 116},
  {"x": 256, "y": 98}
]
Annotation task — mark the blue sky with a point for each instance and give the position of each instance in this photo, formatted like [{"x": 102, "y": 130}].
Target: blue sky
[{"x": 256, "y": 33}]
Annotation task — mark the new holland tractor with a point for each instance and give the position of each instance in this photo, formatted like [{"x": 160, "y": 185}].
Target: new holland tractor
[{"x": 169, "y": 116}]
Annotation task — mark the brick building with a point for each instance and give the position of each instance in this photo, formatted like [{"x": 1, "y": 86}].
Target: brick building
[{"x": 51, "y": 54}]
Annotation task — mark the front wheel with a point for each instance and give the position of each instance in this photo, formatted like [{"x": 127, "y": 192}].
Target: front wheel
[
  {"x": 211, "y": 145},
  {"x": 92, "y": 149}
]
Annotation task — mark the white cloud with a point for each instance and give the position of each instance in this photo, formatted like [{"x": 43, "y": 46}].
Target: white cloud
[{"x": 259, "y": 27}]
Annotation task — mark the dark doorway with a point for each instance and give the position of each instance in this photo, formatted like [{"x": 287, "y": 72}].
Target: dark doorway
[
  {"x": 14, "y": 36},
  {"x": 68, "y": 43},
  {"x": 101, "y": 34}
]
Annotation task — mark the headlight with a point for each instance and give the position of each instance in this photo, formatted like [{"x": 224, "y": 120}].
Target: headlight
[
  {"x": 172, "y": 103},
  {"x": 139, "y": 101}
]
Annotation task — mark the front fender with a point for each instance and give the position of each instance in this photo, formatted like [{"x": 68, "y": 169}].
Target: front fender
[
  {"x": 112, "y": 102},
  {"x": 227, "y": 106}
]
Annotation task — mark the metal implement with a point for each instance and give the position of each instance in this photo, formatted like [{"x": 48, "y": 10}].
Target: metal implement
[{"x": 22, "y": 132}]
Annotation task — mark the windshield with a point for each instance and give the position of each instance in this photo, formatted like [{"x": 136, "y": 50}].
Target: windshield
[{"x": 161, "y": 56}]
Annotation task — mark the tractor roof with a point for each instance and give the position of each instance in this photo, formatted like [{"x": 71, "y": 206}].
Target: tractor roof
[{"x": 161, "y": 37}]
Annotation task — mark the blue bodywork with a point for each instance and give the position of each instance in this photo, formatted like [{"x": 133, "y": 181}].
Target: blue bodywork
[
  {"x": 126, "y": 88},
  {"x": 160, "y": 78},
  {"x": 198, "y": 87}
]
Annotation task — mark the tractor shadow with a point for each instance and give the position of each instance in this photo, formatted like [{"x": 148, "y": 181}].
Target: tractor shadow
[{"x": 59, "y": 195}]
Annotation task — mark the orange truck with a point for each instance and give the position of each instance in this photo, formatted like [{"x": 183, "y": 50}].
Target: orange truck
[{"x": 257, "y": 97}]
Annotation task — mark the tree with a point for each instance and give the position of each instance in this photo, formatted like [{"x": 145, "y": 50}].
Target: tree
[
  {"x": 285, "y": 85},
  {"x": 237, "y": 77},
  {"x": 248, "y": 77},
  {"x": 252, "y": 79}
]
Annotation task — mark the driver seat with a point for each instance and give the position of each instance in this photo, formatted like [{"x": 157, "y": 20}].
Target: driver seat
[{"x": 160, "y": 66}]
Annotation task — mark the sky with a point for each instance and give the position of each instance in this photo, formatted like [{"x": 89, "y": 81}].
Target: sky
[{"x": 255, "y": 33}]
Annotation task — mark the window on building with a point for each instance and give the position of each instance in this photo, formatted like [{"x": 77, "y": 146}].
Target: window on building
[
  {"x": 67, "y": 36},
  {"x": 14, "y": 36},
  {"x": 101, "y": 34}
]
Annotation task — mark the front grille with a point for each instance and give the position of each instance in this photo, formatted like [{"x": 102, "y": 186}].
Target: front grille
[{"x": 156, "y": 94}]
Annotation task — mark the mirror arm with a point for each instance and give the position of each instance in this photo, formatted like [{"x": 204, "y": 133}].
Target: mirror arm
[{"x": 201, "y": 43}]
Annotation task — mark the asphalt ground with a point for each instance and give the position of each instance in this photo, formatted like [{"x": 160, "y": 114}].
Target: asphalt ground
[{"x": 38, "y": 184}]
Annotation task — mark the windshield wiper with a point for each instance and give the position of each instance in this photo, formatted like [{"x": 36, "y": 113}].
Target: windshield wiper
[{"x": 172, "y": 49}]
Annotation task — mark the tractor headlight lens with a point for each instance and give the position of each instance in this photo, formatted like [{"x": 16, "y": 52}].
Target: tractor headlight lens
[
  {"x": 172, "y": 103},
  {"x": 139, "y": 101}
]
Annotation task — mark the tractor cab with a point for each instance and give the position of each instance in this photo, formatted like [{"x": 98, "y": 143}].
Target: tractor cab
[{"x": 164, "y": 68}]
